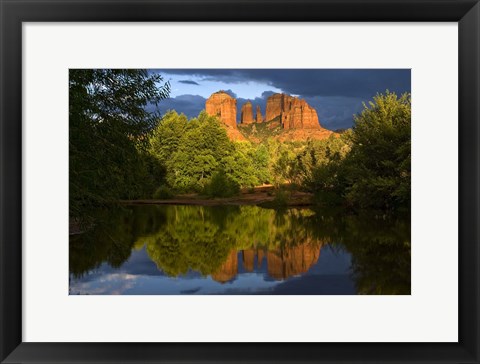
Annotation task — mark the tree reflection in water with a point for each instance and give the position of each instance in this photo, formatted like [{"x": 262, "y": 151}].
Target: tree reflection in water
[{"x": 220, "y": 241}]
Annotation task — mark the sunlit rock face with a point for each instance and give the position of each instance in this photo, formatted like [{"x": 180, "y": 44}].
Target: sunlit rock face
[
  {"x": 297, "y": 119},
  {"x": 228, "y": 270},
  {"x": 247, "y": 113},
  {"x": 258, "y": 116},
  {"x": 274, "y": 106},
  {"x": 300, "y": 115},
  {"x": 304, "y": 134},
  {"x": 294, "y": 113},
  {"x": 234, "y": 133},
  {"x": 223, "y": 106}
]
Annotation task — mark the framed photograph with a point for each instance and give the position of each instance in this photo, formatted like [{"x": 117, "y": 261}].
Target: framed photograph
[{"x": 239, "y": 182}]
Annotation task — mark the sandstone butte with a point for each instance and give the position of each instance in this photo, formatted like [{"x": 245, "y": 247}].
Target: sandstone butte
[
  {"x": 294, "y": 113},
  {"x": 224, "y": 106},
  {"x": 296, "y": 117},
  {"x": 281, "y": 264},
  {"x": 246, "y": 116},
  {"x": 258, "y": 117}
]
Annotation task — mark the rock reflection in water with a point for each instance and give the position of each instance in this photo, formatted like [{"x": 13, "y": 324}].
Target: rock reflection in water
[
  {"x": 281, "y": 263},
  {"x": 228, "y": 270}
]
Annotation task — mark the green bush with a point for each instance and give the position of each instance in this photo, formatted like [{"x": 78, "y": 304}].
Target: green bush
[
  {"x": 371, "y": 170},
  {"x": 281, "y": 198},
  {"x": 221, "y": 186},
  {"x": 163, "y": 193}
]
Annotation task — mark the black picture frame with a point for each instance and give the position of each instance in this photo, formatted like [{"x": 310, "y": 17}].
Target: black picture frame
[{"x": 15, "y": 12}]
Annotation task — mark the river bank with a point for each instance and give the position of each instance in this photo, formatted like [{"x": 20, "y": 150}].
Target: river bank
[{"x": 261, "y": 196}]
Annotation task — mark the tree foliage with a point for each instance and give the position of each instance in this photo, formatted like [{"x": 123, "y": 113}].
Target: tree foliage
[
  {"x": 221, "y": 185},
  {"x": 197, "y": 150},
  {"x": 379, "y": 162},
  {"x": 109, "y": 125},
  {"x": 375, "y": 172}
]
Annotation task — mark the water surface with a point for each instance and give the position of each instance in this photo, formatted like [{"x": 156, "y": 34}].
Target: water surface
[{"x": 239, "y": 250}]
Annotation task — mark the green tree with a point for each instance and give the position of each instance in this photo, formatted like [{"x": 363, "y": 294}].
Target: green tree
[
  {"x": 369, "y": 166},
  {"x": 201, "y": 148},
  {"x": 166, "y": 137},
  {"x": 261, "y": 160},
  {"x": 239, "y": 165},
  {"x": 378, "y": 165},
  {"x": 221, "y": 185},
  {"x": 108, "y": 136}
]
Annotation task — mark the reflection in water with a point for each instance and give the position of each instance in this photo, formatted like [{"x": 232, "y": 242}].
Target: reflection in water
[
  {"x": 239, "y": 250},
  {"x": 281, "y": 263}
]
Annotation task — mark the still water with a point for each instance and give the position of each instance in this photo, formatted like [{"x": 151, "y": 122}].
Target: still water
[{"x": 159, "y": 250}]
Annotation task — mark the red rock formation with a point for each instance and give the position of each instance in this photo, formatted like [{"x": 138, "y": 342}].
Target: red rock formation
[
  {"x": 247, "y": 113},
  {"x": 274, "y": 125},
  {"x": 258, "y": 116},
  {"x": 223, "y": 106},
  {"x": 305, "y": 134},
  {"x": 300, "y": 116},
  {"x": 294, "y": 113},
  {"x": 293, "y": 117},
  {"x": 228, "y": 270},
  {"x": 235, "y": 134},
  {"x": 274, "y": 106}
]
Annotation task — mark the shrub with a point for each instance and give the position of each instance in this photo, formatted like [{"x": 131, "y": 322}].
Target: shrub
[
  {"x": 281, "y": 198},
  {"x": 221, "y": 186},
  {"x": 163, "y": 193}
]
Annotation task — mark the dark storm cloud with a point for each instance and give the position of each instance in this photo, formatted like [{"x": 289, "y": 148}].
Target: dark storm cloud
[
  {"x": 336, "y": 112},
  {"x": 190, "y": 105},
  {"x": 189, "y": 82},
  {"x": 363, "y": 83}
]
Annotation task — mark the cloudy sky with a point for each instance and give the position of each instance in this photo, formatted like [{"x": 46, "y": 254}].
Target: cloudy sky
[{"x": 336, "y": 94}]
